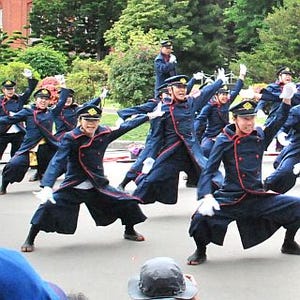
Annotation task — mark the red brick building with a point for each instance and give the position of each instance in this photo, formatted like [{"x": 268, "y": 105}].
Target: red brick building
[{"x": 14, "y": 15}]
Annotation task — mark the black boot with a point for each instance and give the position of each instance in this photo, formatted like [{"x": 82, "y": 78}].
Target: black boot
[
  {"x": 198, "y": 257},
  {"x": 290, "y": 246},
  {"x": 122, "y": 185},
  {"x": 28, "y": 245},
  {"x": 132, "y": 235},
  {"x": 3, "y": 187}
]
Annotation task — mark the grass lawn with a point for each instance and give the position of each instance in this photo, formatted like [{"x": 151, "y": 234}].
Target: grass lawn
[{"x": 135, "y": 135}]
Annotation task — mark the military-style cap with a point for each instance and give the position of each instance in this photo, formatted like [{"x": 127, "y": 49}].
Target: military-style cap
[
  {"x": 244, "y": 108},
  {"x": 166, "y": 43},
  {"x": 223, "y": 90},
  {"x": 71, "y": 92},
  {"x": 8, "y": 84},
  {"x": 42, "y": 93},
  {"x": 178, "y": 79},
  {"x": 89, "y": 112},
  {"x": 284, "y": 70}
]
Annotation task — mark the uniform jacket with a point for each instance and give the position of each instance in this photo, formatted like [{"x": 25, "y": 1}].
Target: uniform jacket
[
  {"x": 215, "y": 116},
  {"x": 242, "y": 159},
  {"x": 163, "y": 70},
  {"x": 15, "y": 104},
  {"x": 85, "y": 155},
  {"x": 291, "y": 127},
  {"x": 38, "y": 123}
]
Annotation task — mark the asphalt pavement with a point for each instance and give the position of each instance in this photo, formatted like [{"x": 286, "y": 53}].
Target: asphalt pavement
[{"x": 98, "y": 261}]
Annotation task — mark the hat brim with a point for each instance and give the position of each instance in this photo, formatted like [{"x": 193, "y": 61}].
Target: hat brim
[
  {"x": 246, "y": 115},
  {"x": 136, "y": 294}
]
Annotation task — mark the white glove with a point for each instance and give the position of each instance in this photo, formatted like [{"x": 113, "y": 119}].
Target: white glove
[
  {"x": 119, "y": 122},
  {"x": 61, "y": 79},
  {"x": 282, "y": 138},
  {"x": 288, "y": 91},
  {"x": 157, "y": 112},
  {"x": 221, "y": 75},
  {"x": 243, "y": 70},
  {"x": 172, "y": 59},
  {"x": 296, "y": 169},
  {"x": 247, "y": 93},
  {"x": 27, "y": 73},
  {"x": 147, "y": 165},
  {"x": 45, "y": 194},
  {"x": 207, "y": 205},
  {"x": 104, "y": 93},
  {"x": 198, "y": 75},
  {"x": 260, "y": 114}
]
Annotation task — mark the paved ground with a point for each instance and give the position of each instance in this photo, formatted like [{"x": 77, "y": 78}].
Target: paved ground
[{"x": 98, "y": 262}]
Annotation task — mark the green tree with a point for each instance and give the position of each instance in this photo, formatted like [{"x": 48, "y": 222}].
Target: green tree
[
  {"x": 162, "y": 19},
  {"x": 46, "y": 61},
  {"x": 245, "y": 19},
  {"x": 14, "y": 71},
  {"x": 131, "y": 75},
  {"x": 7, "y": 53},
  {"x": 87, "y": 77},
  {"x": 75, "y": 26},
  {"x": 279, "y": 44}
]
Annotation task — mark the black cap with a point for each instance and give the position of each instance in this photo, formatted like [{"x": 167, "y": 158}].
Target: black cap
[
  {"x": 244, "y": 108},
  {"x": 89, "y": 111},
  {"x": 166, "y": 43},
  {"x": 223, "y": 90},
  {"x": 161, "y": 278},
  {"x": 284, "y": 70},
  {"x": 42, "y": 93},
  {"x": 178, "y": 79},
  {"x": 8, "y": 84}
]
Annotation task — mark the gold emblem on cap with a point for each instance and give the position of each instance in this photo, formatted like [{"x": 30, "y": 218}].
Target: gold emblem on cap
[
  {"x": 8, "y": 82},
  {"x": 183, "y": 80},
  {"x": 287, "y": 69},
  {"x": 247, "y": 106},
  {"x": 92, "y": 111},
  {"x": 225, "y": 87},
  {"x": 45, "y": 92}
]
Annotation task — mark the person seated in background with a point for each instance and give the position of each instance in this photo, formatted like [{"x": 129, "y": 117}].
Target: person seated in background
[
  {"x": 162, "y": 278},
  {"x": 20, "y": 281}
]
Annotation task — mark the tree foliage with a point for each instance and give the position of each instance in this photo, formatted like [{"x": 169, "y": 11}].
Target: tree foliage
[
  {"x": 46, "y": 61},
  {"x": 246, "y": 19},
  {"x": 87, "y": 77},
  {"x": 14, "y": 71},
  {"x": 76, "y": 26},
  {"x": 279, "y": 45}
]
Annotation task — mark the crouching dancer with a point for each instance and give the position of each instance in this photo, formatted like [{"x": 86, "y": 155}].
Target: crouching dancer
[
  {"x": 242, "y": 198},
  {"x": 83, "y": 149}
]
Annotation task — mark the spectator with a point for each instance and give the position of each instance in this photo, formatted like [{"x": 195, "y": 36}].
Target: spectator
[
  {"x": 20, "y": 281},
  {"x": 162, "y": 278}
]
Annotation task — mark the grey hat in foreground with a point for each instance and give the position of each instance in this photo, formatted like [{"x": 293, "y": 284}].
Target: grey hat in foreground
[{"x": 161, "y": 278}]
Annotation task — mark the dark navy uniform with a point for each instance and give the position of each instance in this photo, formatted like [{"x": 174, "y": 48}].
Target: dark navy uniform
[
  {"x": 39, "y": 125},
  {"x": 163, "y": 68},
  {"x": 242, "y": 198},
  {"x": 9, "y": 107},
  {"x": 176, "y": 149},
  {"x": 215, "y": 116},
  {"x": 86, "y": 183},
  {"x": 283, "y": 178}
]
